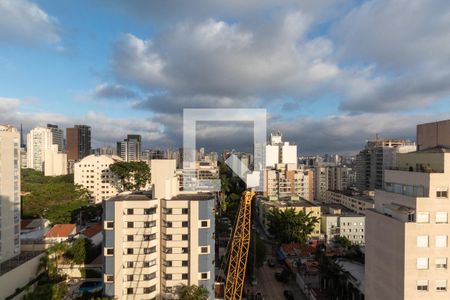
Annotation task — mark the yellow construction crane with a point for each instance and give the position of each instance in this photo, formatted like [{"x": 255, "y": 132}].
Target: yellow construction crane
[{"x": 240, "y": 246}]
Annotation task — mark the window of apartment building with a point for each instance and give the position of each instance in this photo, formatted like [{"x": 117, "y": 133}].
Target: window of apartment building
[
  {"x": 150, "y": 263},
  {"x": 204, "y": 249},
  {"x": 184, "y": 276},
  {"x": 442, "y": 192},
  {"x": 423, "y": 217},
  {"x": 204, "y": 275},
  {"x": 441, "y": 217},
  {"x": 149, "y": 224},
  {"x": 149, "y": 250},
  {"x": 130, "y": 225},
  {"x": 168, "y": 276},
  {"x": 184, "y": 224},
  {"x": 184, "y": 263},
  {"x": 441, "y": 262},
  {"x": 148, "y": 290},
  {"x": 150, "y": 276},
  {"x": 441, "y": 285},
  {"x": 130, "y": 211},
  {"x": 109, "y": 278},
  {"x": 168, "y": 263},
  {"x": 130, "y": 277},
  {"x": 130, "y": 251},
  {"x": 422, "y": 285},
  {"x": 109, "y": 225},
  {"x": 184, "y": 250},
  {"x": 109, "y": 251},
  {"x": 130, "y": 238},
  {"x": 422, "y": 263},
  {"x": 167, "y": 250},
  {"x": 422, "y": 241},
  {"x": 130, "y": 264},
  {"x": 204, "y": 224},
  {"x": 184, "y": 211},
  {"x": 168, "y": 211},
  {"x": 168, "y": 224},
  {"x": 129, "y": 291},
  {"x": 441, "y": 241},
  {"x": 184, "y": 237},
  {"x": 150, "y": 211},
  {"x": 149, "y": 237}
]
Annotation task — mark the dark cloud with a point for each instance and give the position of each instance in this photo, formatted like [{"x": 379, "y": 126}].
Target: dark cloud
[{"x": 114, "y": 91}]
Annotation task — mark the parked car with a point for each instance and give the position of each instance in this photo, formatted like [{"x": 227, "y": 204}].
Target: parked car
[{"x": 289, "y": 295}]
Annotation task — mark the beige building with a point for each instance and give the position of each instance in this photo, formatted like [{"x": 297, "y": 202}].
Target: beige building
[
  {"x": 9, "y": 192},
  {"x": 55, "y": 162},
  {"x": 338, "y": 221},
  {"x": 407, "y": 233},
  {"x": 286, "y": 180},
  {"x": 157, "y": 240},
  {"x": 263, "y": 207},
  {"x": 39, "y": 139},
  {"x": 354, "y": 201},
  {"x": 92, "y": 172}
]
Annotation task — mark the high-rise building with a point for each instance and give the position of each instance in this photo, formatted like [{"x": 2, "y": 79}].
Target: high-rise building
[
  {"x": 377, "y": 156},
  {"x": 92, "y": 173},
  {"x": 433, "y": 134},
  {"x": 279, "y": 152},
  {"x": 157, "y": 240},
  {"x": 58, "y": 136},
  {"x": 286, "y": 182},
  {"x": 39, "y": 139},
  {"x": 9, "y": 192},
  {"x": 78, "y": 142},
  {"x": 55, "y": 162},
  {"x": 130, "y": 148},
  {"x": 407, "y": 233}
]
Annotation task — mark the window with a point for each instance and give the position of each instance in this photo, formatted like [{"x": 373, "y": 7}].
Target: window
[
  {"x": 442, "y": 192},
  {"x": 422, "y": 241},
  {"x": 129, "y": 291},
  {"x": 168, "y": 224},
  {"x": 129, "y": 250},
  {"x": 184, "y": 276},
  {"x": 168, "y": 237},
  {"x": 148, "y": 264},
  {"x": 150, "y": 211},
  {"x": 149, "y": 237},
  {"x": 149, "y": 224},
  {"x": 184, "y": 263},
  {"x": 130, "y": 238},
  {"x": 149, "y": 250},
  {"x": 441, "y": 285},
  {"x": 184, "y": 250},
  {"x": 168, "y": 211},
  {"x": 109, "y": 225},
  {"x": 423, "y": 217},
  {"x": 184, "y": 211},
  {"x": 130, "y": 224},
  {"x": 422, "y": 285},
  {"x": 204, "y": 249},
  {"x": 441, "y": 217},
  {"x": 129, "y": 277},
  {"x": 184, "y": 237},
  {"x": 441, "y": 241},
  {"x": 150, "y": 276},
  {"x": 130, "y": 264},
  {"x": 204, "y": 275},
  {"x": 168, "y": 263},
  {"x": 422, "y": 263},
  {"x": 109, "y": 278},
  {"x": 441, "y": 262},
  {"x": 204, "y": 224},
  {"x": 168, "y": 276},
  {"x": 130, "y": 211},
  {"x": 109, "y": 251},
  {"x": 148, "y": 290},
  {"x": 184, "y": 224}
]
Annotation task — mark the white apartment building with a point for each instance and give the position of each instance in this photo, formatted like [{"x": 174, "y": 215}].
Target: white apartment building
[
  {"x": 286, "y": 181},
  {"x": 39, "y": 139},
  {"x": 55, "y": 162},
  {"x": 407, "y": 249},
  {"x": 279, "y": 152},
  {"x": 9, "y": 192},
  {"x": 157, "y": 240},
  {"x": 354, "y": 201},
  {"x": 341, "y": 222},
  {"x": 92, "y": 172}
]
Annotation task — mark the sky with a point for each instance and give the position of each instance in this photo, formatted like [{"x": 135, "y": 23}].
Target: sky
[{"x": 331, "y": 74}]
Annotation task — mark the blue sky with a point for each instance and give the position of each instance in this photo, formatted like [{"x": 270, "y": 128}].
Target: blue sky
[{"x": 330, "y": 73}]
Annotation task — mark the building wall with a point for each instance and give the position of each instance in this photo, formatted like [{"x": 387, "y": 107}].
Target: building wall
[
  {"x": 72, "y": 144},
  {"x": 9, "y": 192},
  {"x": 39, "y": 139},
  {"x": 433, "y": 134},
  {"x": 55, "y": 162},
  {"x": 357, "y": 204}
]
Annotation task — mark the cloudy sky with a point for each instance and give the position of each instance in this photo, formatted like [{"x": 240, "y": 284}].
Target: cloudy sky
[{"x": 331, "y": 74}]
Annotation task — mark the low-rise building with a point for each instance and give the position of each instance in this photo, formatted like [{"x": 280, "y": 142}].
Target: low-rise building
[
  {"x": 285, "y": 180},
  {"x": 94, "y": 233},
  {"x": 354, "y": 201},
  {"x": 60, "y": 233},
  {"x": 338, "y": 221}
]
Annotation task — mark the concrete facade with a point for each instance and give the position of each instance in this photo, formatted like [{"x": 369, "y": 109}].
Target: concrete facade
[
  {"x": 39, "y": 140},
  {"x": 355, "y": 202},
  {"x": 433, "y": 134},
  {"x": 282, "y": 181},
  {"x": 55, "y": 162}
]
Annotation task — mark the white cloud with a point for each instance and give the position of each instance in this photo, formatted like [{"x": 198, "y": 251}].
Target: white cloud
[
  {"x": 8, "y": 104},
  {"x": 25, "y": 22}
]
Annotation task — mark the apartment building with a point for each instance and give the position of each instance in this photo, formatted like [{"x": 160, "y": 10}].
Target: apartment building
[
  {"x": 130, "y": 148},
  {"x": 264, "y": 206},
  {"x": 279, "y": 152},
  {"x": 157, "y": 240},
  {"x": 57, "y": 136},
  {"x": 9, "y": 192},
  {"x": 338, "y": 221},
  {"x": 407, "y": 233},
  {"x": 287, "y": 181},
  {"x": 78, "y": 142},
  {"x": 55, "y": 162},
  {"x": 39, "y": 140},
  {"x": 92, "y": 173},
  {"x": 352, "y": 200}
]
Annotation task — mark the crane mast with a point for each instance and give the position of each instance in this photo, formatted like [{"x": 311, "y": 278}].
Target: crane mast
[{"x": 240, "y": 246}]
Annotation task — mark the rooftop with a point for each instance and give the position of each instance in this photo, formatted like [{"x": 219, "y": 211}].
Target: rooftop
[
  {"x": 61, "y": 230},
  {"x": 195, "y": 196},
  {"x": 136, "y": 196},
  {"x": 93, "y": 230}
]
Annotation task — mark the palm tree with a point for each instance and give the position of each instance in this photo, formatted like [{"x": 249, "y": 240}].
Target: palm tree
[{"x": 192, "y": 292}]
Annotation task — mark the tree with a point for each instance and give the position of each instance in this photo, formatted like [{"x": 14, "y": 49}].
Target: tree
[
  {"x": 132, "y": 175},
  {"x": 192, "y": 292},
  {"x": 80, "y": 251},
  {"x": 289, "y": 226}
]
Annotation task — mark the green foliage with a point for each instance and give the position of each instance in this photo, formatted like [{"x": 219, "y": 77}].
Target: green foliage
[
  {"x": 333, "y": 278},
  {"x": 132, "y": 175},
  {"x": 48, "y": 291},
  {"x": 53, "y": 198},
  {"x": 289, "y": 226},
  {"x": 90, "y": 273},
  {"x": 82, "y": 251},
  {"x": 192, "y": 292}
]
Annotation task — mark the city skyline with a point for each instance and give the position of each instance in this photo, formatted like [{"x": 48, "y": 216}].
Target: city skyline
[{"x": 322, "y": 68}]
